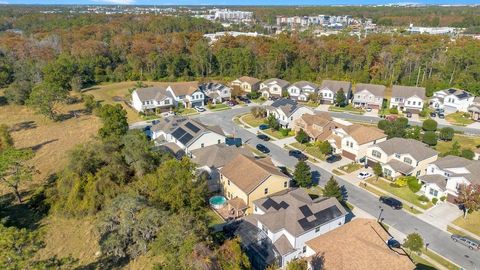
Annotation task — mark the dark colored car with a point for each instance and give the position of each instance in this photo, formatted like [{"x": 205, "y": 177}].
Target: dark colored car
[
  {"x": 263, "y": 127},
  {"x": 441, "y": 115},
  {"x": 470, "y": 243},
  {"x": 409, "y": 115},
  {"x": 392, "y": 202},
  {"x": 297, "y": 154},
  {"x": 263, "y": 137},
  {"x": 333, "y": 158},
  {"x": 244, "y": 99},
  {"x": 233, "y": 141},
  {"x": 262, "y": 148},
  {"x": 432, "y": 114},
  {"x": 392, "y": 243}
]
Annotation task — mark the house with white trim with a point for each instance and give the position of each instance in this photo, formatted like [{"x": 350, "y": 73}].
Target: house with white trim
[
  {"x": 452, "y": 99},
  {"x": 247, "y": 84},
  {"x": 152, "y": 99},
  {"x": 187, "y": 93},
  {"x": 408, "y": 98},
  {"x": 368, "y": 95},
  {"x": 301, "y": 90},
  {"x": 329, "y": 88},
  {"x": 286, "y": 111},
  {"x": 273, "y": 88},
  {"x": 474, "y": 109},
  {"x": 216, "y": 92}
]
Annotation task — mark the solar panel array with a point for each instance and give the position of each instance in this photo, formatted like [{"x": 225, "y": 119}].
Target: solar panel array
[
  {"x": 192, "y": 127},
  {"x": 268, "y": 203},
  {"x": 321, "y": 217}
]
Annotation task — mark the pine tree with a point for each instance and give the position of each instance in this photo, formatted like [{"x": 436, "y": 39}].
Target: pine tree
[
  {"x": 302, "y": 174},
  {"x": 332, "y": 189}
]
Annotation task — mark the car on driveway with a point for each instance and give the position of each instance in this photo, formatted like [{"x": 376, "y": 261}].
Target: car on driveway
[
  {"x": 409, "y": 115},
  {"x": 333, "y": 158},
  {"x": 263, "y": 127},
  {"x": 199, "y": 109},
  {"x": 392, "y": 202},
  {"x": 232, "y": 103},
  {"x": 364, "y": 175},
  {"x": 262, "y": 148},
  {"x": 263, "y": 137},
  {"x": 433, "y": 115},
  {"x": 470, "y": 243},
  {"x": 245, "y": 99},
  {"x": 298, "y": 155},
  {"x": 441, "y": 115}
]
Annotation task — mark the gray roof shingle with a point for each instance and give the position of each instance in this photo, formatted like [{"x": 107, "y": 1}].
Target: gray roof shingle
[
  {"x": 335, "y": 86},
  {"x": 416, "y": 149},
  {"x": 376, "y": 89},
  {"x": 408, "y": 91}
]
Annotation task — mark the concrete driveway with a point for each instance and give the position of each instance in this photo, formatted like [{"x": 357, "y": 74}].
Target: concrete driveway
[
  {"x": 372, "y": 113},
  {"x": 474, "y": 125},
  {"x": 441, "y": 215}
]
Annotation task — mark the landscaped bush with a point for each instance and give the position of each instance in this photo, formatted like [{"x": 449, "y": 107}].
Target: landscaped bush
[
  {"x": 210, "y": 105},
  {"x": 423, "y": 198},
  {"x": 413, "y": 184},
  {"x": 442, "y": 198},
  {"x": 301, "y": 136},
  {"x": 325, "y": 147},
  {"x": 253, "y": 95},
  {"x": 430, "y": 138},
  {"x": 434, "y": 200},
  {"x": 429, "y": 125},
  {"x": 401, "y": 182},
  {"x": 447, "y": 133},
  {"x": 393, "y": 110},
  {"x": 285, "y": 131}
]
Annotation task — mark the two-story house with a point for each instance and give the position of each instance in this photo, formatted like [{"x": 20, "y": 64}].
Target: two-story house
[
  {"x": 152, "y": 99},
  {"x": 368, "y": 95},
  {"x": 301, "y": 90},
  {"x": 245, "y": 179},
  {"x": 215, "y": 92},
  {"x": 247, "y": 84},
  {"x": 474, "y": 109},
  {"x": 285, "y": 221},
  {"x": 445, "y": 177},
  {"x": 186, "y": 133},
  {"x": 329, "y": 88},
  {"x": 452, "y": 99},
  {"x": 286, "y": 111},
  {"x": 401, "y": 157},
  {"x": 317, "y": 126},
  {"x": 273, "y": 88},
  {"x": 408, "y": 98},
  {"x": 187, "y": 93}
]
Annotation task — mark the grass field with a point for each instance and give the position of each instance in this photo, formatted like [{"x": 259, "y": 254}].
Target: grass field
[
  {"x": 348, "y": 108},
  {"x": 466, "y": 142},
  {"x": 219, "y": 107},
  {"x": 215, "y": 219},
  {"x": 471, "y": 223},
  {"x": 311, "y": 150},
  {"x": 349, "y": 168},
  {"x": 277, "y": 134},
  {"x": 252, "y": 121},
  {"x": 459, "y": 118}
]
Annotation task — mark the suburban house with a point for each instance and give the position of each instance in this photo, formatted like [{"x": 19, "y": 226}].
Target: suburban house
[
  {"x": 286, "y": 111},
  {"x": 247, "y": 84},
  {"x": 246, "y": 179},
  {"x": 273, "y": 88},
  {"x": 352, "y": 141},
  {"x": 211, "y": 159},
  {"x": 368, "y": 95},
  {"x": 401, "y": 157},
  {"x": 360, "y": 244},
  {"x": 474, "y": 109},
  {"x": 317, "y": 126},
  {"x": 301, "y": 90},
  {"x": 408, "y": 98},
  {"x": 452, "y": 99},
  {"x": 216, "y": 92},
  {"x": 329, "y": 88},
  {"x": 186, "y": 133},
  {"x": 283, "y": 223},
  {"x": 152, "y": 99},
  {"x": 446, "y": 175},
  {"x": 187, "y": 93}
]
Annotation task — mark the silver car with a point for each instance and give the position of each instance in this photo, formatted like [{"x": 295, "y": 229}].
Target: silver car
[{"x": 470, "y": 243}]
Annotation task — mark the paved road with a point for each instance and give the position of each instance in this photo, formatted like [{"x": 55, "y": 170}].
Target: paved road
[{"x": 438, "y": 240}]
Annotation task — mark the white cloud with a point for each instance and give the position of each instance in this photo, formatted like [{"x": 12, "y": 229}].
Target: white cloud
[
  {"x": 3, "y": 3},
  {"x": 118, "y": 2}
]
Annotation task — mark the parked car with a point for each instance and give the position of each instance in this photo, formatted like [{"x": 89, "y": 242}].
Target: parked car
[
  {"x": 199, "y": 109},
  {"x": 232, "y": 103},
  {"x": 440, "y": 110},
  {"x": 297, "y": 154},
  {"x": 333, "y": 158},
  {"x": 233, "y": 141},
  {"x": 441, "y": 116},
  {"x": 470, "y": 243},
  {"x": 364, "y": 175},
  {"x": 393, "y": 243},
  {"x": 263, "y": 137},
  {"x": 368, "y": 109},
  {"x": 263, "y": 127},
  {"x": 433, "y": 115},
  {"x": 392, "y": 202},
  {"x": 262, "y": 148},
  {"x": 409, "y": 115},
  {"x": 244, "y": 99}
]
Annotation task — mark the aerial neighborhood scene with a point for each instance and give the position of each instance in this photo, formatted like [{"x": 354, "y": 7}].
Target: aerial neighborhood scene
[{"x": 250, "y": 135}]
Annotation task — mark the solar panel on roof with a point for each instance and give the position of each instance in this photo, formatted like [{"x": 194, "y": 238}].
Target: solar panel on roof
[
  {"x": 186, "y": 138},
  {"x": 192, "y": 127},
  {"x": 322, "y": 217},
  {"x": 178, "y": 133},
  {"x": 305, "y": 211}
]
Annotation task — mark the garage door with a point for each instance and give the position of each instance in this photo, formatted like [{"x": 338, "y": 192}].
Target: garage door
[
  {"x": 349, "y": 155},
  {"x": 197, "y": 104},
  {"x": 451, "y": 198},
  {"x": 371, "y": 163}
]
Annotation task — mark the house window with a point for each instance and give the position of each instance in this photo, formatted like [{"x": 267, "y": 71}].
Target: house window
[
  {"x": 387, "y": 172},
  {"x": 256, "y": 208},
  {"x": 304, "y": 249},
  {"x": 407, "y": 160},
  {"x": 228, "y": 182},
  {"x": 285, "y": 184},
  {"x": 265, "y": 191},
  {"x": 433, "y": 192},
  {"x": 202, "y": 145},
  {"x": 218, "y": 140},
  {"x": 317, "y": 229},
  {"x": 376, "y": 154},
  {"x": 264, "y": 228},
  {"x": 166, "y": 101},
  {"x": 418, "y": 174}
]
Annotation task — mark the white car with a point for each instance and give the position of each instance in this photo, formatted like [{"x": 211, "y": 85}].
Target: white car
[
  {"x": 364, "y": 175},
  {"x": 199, "y": 109}
]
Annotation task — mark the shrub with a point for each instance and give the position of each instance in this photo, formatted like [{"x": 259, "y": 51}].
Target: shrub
[
  {"x": 468, "y": 154},
  {"x": 253, "y": 95},
  {"x": 423, "y": 198},
  {"x": 423, "y": 113},
  {"x": 383, "y": 124},
  {"x": 413, "y": 184},
  {"x": 325, "y": 147},
  {"x": 284, "y": 131},
  {"x": 401, "y": 182},
  {"x": 210, "y": 105},
  {"x": 301, "y": 136},
  {"x": 429, "y": 125},
  {"x": 447, "y": 133},
  {"x": 434, "y": 200},
  {"x": 430, "y": 138},
  {"x": 442, "y": 198},
  {"x": 393, "y": 110}
]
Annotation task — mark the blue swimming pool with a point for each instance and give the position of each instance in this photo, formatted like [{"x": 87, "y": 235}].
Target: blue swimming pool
[{"x": 217, "y": 201}]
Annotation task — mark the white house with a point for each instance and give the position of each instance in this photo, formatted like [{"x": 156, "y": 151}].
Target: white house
[
  {"x": 216, "y": 92},
  {"x": 286, "y": 111},
  {"x": 446, "y": 175},
  {"x": 186, "y": 133},
  {"x": 273, "y": 88},
  {"x": 247, "y": 84},
  {"x": 187, "y": 93},
  {"x": 284, "y": 222},
  {"x": 329, "y": 88},
  {"x": 153, "y": 99},
  {"x": 301, "y": 90},
  {"x": 408, "y": 98},
  {"x": 368, "y": 95},
  {"x": 452, "y": 99}
]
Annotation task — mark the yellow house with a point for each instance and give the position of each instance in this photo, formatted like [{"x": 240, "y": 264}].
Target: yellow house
[{"x": 246, "y": 179}]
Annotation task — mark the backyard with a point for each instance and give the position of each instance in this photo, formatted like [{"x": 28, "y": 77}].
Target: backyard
[
  {"x": 459, "y": 118},
  {"x": 309, "y": 149},
  {"x": 471, "y": 223}
]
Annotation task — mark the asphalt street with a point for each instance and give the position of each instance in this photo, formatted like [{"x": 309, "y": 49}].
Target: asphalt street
[{"x": 438, "y": 240}]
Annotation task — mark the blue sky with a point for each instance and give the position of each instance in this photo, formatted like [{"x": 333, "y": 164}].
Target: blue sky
[{"x": 234, "y": 2}]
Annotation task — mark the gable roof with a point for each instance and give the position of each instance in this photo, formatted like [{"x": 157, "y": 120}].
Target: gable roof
[
  {"x": 280, "y": 82},
  {"x": 249, "y": 80},
  {"x": 288, "y": 106},
  {"x": 217, "y": 155},
  {"x": 459, "y": 93},
  {"x": 335, "y": 86},
  {"x": 376, "y": 89},
  {"x": 362, "y": 134},
  {"x": 247, "y": 172},
  {"x": 302, "y": 84},
  {"x": 454, "y": 166},
  {"x": 438, "y": 179},
  {"x": 184, "y": 88},
  {"x": 152, "y": 93},
  {"x": 408, "y": 91},
  {"x": 296, "y": 212},
  {"x": 416, "y": 149},
  {"x": 210, "y": 87},
  {"x": 359, "y": 244}
]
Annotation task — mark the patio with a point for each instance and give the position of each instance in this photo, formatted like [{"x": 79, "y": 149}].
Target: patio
[{"x": 234, "y": 209}]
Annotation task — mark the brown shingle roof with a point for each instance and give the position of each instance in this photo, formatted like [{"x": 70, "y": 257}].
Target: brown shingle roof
[
  {"x": 362, "y": 134},
  {"x": 250, "y": 80},
  {"x": 217, "y": 155},
  {"x": 247, "y": 172},
  {"x": 439, "y": 180},
  {"x": 334, "y": 86},
  {"x": 408, "y": 91},
  {"x": 184, "y": 88},
  {"x": 280, "y": 82},
  {"x": 376, "y": 89},
  {"x": 359, "y": 245}
]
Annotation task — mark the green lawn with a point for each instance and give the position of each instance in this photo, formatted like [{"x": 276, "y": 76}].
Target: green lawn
[
  {"x": 277, "y": 134},
  {"x": 219, "y": 107},
  {"x": 258, "y": 100},
  {"x": 471, "y": 223},
  {"x": 403, "y": 193},
  {"x": 214, "y": 218},
  {"x": 188, "y": 111},
  {"x": 420, "y": 262},
  {"x": 310, "y": 104},
  {"x": 349, "y": 168},
  {"x": 315, "y": 192},
  {"x": 466, "y": 142},
  {"x": 459, "y": 118},
  {"x": 311, "y": 150},
  {"x": 252, "y": 121},
  {"x": 348, "y": 108},
  {"x": 452, "y": 230},
  {"x": 441, "y": 260},
  {"x": 373, "y": 190},
  {"x": 255, "y": 151},
  {"x": 337, "y": 172}
]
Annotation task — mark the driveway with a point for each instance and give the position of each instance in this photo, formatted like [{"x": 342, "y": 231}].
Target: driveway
[
  {"x": 474, "y": 125},
  {"x": 441, "y": 215},
  {"x": 372, "y": 113},
  {"x": 322, "y": 107}
]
